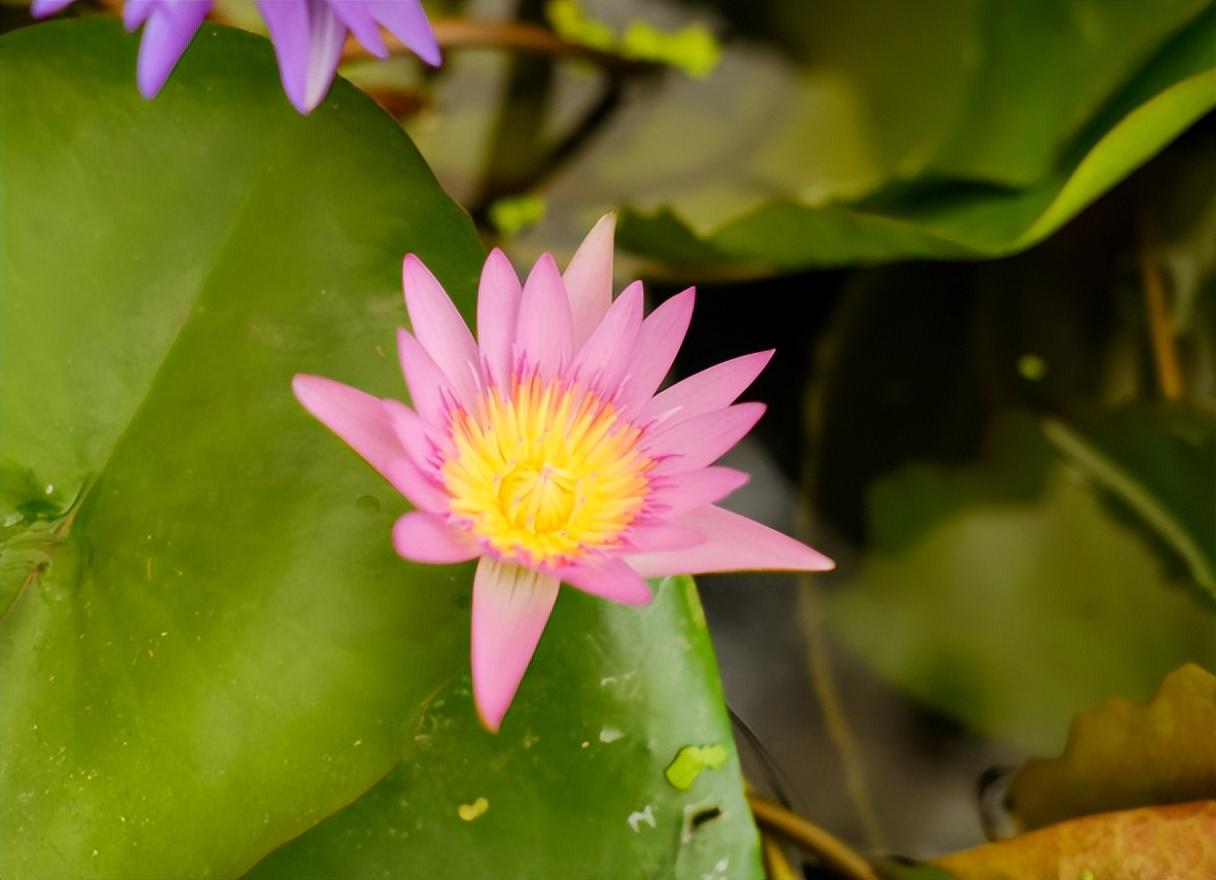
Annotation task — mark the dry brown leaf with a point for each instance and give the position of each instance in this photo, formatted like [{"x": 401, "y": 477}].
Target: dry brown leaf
[
  {"x": 1176, "y": 842},
  {"x": 1126, "y": 755}
]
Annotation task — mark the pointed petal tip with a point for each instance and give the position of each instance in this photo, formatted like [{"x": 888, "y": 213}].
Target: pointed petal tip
[{"x": 426, "y": 538}]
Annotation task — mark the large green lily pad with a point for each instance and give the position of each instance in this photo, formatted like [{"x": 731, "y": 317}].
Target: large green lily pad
[
  {"x": 574, "y": 786},
  {"x": 207, "y": 643}
]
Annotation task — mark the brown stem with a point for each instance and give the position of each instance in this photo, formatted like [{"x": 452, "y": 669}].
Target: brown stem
[
  {"x": 1160, "y": 327},
  {"x": 776, "y": 865},
  {"x": 520, "y": 36},
  {"x": 812, "y": 839}
]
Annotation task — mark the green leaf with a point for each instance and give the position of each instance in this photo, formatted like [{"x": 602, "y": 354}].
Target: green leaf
[
  {"x": 217, "y": 646},
  {"x": 1125, "y": 755},
  {"x": 1160, "y": 461},
  {"x": 207, "y": 642},
  {"x": 574, "y": 785},
  {"x": 953, "y": 218},
  {"x": 1005, "y": 595},
  {"x": 840, "y": 132}
]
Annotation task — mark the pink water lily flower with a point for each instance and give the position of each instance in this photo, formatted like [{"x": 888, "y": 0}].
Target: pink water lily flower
[
  {"x": 308, "y": 36},
  {"x": 542, "y": 450}
]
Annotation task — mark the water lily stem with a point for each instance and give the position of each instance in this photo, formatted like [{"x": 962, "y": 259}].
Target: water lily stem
[
  {"x": 810, "y": 838},
  {"x": 1160, "y": 326},
  {"x": 839, "y": 729},
  {"x": 776, "y": 865},
  {"x": 519, "y": 36}
]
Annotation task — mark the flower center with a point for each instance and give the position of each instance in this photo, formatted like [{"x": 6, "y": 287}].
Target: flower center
[{"x": 545, "y": 472}]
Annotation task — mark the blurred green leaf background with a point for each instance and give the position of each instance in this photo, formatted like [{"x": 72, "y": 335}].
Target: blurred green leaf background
[{"x": 981, "y": 235}]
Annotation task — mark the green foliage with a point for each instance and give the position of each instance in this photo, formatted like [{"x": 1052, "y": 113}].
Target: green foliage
[
  {"x": 967, "y": 215},
  {"x": 1159, "y": 461},
  {"x": 691, "y": 49},
  {"x": 574, "y": 784},
  {"x": 1005, "y": 595},
  {"x": 208, "y": 644},
  {"x": 512, "y": 216},
  {"x": 835, "y": 133}
]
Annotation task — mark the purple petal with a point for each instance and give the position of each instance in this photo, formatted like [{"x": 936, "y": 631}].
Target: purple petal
[
  {"x": 732, "y": 543},
  {"x": 714, "y": 388},
  {"x": 701, "y": 440},
  {"x": 429, "y": 387},
  {"x": 136, "y": 12},
  {"x": 683, "y": 493},
  {"x": 358, "y": 19},
  {"x": 589, "y": 278},
  {"x": 308, "y": 40},
  {"x": 611, "y": 579},
  {"x": 441, "y": 329},
  {"x": 498, "y": 298},
  {"x": 356, "y": 417},
  {"x": 659, "y": 339},
  {"x": 168, "y": 30},
  {"x": 43, "y": 8},
  {"x": 423, "y": 537},
  {"x": 604, "y": 357},
  {"x": 406, "y": 21},
  {"x": 542, "y": 335},
  {"x": 511, "y": 606}
]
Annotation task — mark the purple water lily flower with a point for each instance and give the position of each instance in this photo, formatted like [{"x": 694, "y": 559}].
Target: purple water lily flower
[
  {"x": 169, "y": 26},
  {"x": 308, "y": 36}
]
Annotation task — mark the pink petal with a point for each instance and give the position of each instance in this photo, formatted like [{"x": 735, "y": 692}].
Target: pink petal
[
  {"x": 604, "y": 357},
  {"x": 714, "y": 388},
  {"x": 611, "y": 579},
  {"x": 701, "y": 440},
  {"x": 659, "y": 339},
  {"x": 356, "y": 417},
  {"x": 423, "y": 537},
  {"x": 682, "y": 493},
  {"x": 497, "y": 314},
  {"x": 511, "y": 606},
  {"x": 441, "y": 329},
  {"x": 732, "y": 543},
  {"x": 661, "y": 536},
  {"x": 426, "y": 445},
  {"x": 430, "y": 390},
  {"x": 589, "y": 279},
  {"x": 543, "y": 335},
  {"x": 423, "y": 492}
]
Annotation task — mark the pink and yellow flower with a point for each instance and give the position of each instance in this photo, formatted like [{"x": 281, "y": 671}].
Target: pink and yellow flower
[{"x": 542, "y": 449}]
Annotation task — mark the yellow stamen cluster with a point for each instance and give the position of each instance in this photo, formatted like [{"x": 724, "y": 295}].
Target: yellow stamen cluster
[{"x": 545, "y": 471}]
